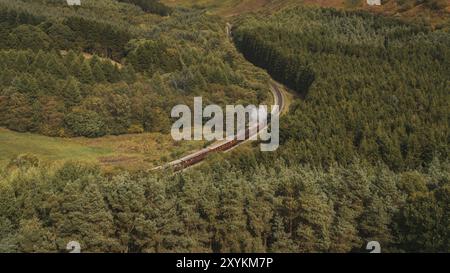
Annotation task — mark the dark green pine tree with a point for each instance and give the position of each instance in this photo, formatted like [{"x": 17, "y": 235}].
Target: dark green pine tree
[
  {"x": 108, "y": 70},
  {"x": 97, "y": 72},
  {"x": 70, "y": 57},
  {"x": 75, "y": 67},
  {"x": 128, "y": 74},
  {"x": 86, "y": 75},
  {"x": 71, "y": 92},
  {"x": 56, "y": 66}
]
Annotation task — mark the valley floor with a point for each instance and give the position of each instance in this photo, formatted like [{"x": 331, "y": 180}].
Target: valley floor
[{"x": 132, "y": 151}]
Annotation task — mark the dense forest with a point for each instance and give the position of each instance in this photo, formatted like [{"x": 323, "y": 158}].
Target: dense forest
[
  {"x": 56, "y": 78},
  {"x": 372, "y": 86},
  {"x": 224, "y": 208},
  {"x": 365, "y": 142}
]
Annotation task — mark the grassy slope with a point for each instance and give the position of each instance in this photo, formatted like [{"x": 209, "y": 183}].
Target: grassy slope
[
  {"x": 236, "y": 7},
  {"x": 228, "y": 7},
  {"x": 127, "y": 151}
]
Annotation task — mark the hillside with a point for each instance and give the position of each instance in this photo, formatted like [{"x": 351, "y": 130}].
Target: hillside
[
  {"x": 433, "y": 11},
  {"x": 48, "y": 86}
]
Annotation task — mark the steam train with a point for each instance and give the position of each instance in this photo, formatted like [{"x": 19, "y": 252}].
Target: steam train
[{"x": 226, "y": 145}]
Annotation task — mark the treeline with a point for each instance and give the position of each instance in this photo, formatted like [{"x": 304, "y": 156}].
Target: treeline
[
  {"x": 289, "y": 69},
  {"x": 380, "y": 88},
  {"x": 98, "y": 37},
  {"x": 22, "y": 30},
  {"x": 222, "y": 209},
  {"x": 153, "y": 6}
]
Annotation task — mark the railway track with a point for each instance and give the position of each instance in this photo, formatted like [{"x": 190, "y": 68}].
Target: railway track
[{"x": 220, "y": 146}]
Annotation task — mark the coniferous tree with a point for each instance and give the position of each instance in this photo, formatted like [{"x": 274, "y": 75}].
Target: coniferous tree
[{"x": 71, "y": 92}]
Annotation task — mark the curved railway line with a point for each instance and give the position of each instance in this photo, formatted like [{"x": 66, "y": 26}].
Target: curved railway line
[
  {"x": 224, "y": 145},
  {"x": 221, "y": 146}
]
